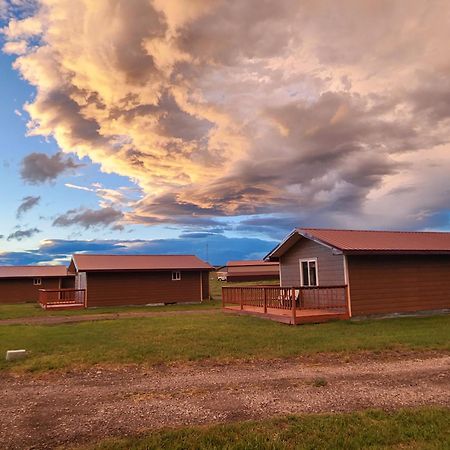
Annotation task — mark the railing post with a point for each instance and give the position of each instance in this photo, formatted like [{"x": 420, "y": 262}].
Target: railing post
[
  {"x": 265, "y": 300},
  {"x": 294, "y": 306},
  {"x": 240, "y": 297},
  {"x": 223, "y": 297}
]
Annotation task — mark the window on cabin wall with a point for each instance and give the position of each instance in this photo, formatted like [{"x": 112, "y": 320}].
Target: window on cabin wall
[
  {"x": 176, "y": 276},
  {"x": 37, "y": 281},
  {"x": 308, "y": 272}
]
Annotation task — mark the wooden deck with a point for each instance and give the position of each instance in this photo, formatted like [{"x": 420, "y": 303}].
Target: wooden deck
[
  {"x": 291, "y": 305},
  {"x": 60, "y": 299},
  {"x": 284, "y": 316}
]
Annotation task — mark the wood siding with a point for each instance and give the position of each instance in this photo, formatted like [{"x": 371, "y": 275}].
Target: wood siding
[
  {"x": 205, "y": 285},
  {"x": 141, "y": 288},
  {"x": 393, "y": 283},
  {"x": 22, "y": 290},
  {"x": 330, "y": 266}
]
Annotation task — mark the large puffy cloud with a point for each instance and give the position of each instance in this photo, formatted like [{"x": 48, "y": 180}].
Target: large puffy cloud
[{"x": 311, "y": 109}]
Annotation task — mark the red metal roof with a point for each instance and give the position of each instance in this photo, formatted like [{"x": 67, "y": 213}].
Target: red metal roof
[
  {"x": 86, "y": 263},
  {"x": 378, "y": 241},
  {"x": 32, "y": 271},
  {"x": 251, "y": 263}
]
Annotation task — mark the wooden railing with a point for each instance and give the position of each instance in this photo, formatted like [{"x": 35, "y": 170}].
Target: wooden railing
[
  {"x": 287, "y": 298},
  {"x": 59, "y": 298}
]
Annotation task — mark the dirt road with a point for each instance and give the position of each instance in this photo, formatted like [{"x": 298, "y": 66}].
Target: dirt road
[
  {"x": 50, "y": 410},
  {"x": 57, "y": 320}
]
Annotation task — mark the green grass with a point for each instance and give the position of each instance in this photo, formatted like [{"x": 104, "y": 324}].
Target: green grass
[
  {"x": 16, "y": 311},
  {"x": 216, "y": 337},
  {"x": 426, "y": 428},
  {"x": 24, "y": 310}
]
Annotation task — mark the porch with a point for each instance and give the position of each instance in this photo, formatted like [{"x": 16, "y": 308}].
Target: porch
[
  {"x": 62, "y": 298},
  {"x": 291, "y": 305}
]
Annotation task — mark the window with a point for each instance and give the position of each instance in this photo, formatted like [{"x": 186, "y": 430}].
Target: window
[
  {"x": 176, "y": 276},
  {"x": 37, "y": 281},
  {"x": 308, "y": 272}
]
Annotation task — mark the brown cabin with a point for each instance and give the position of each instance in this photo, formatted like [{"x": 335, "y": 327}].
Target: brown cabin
[
  {"x": 20, "y": 284},
  {"x": 250, "y": 270},
  {"x": 384, "y": 272},
  {"x": 116, "y": 280}
]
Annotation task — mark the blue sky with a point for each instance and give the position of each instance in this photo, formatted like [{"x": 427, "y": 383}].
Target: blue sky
[{"x": 163, "y": 135}]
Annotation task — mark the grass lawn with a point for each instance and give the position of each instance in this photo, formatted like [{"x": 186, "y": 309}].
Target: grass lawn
[
  {"x": 15, "y": 311},
  {"x": 217, "y": 337},
  {"x": 413, "y": 429}
]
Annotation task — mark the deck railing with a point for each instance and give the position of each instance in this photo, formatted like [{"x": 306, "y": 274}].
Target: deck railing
[
  {"x": 287, "y": 298},
  {"x": 59, "y": 298}
]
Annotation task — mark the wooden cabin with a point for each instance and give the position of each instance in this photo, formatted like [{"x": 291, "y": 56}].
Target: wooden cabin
[
  {"x": 20, "y": 284},
  {"x": 249, "y": 271},
  {"x": 384, "y": 272},
  {"x": 116, "y": 280}
]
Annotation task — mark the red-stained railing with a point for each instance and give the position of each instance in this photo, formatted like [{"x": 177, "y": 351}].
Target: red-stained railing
[
  {"x": 288, "y": 298},
  {"x": 60, "y": 298}
]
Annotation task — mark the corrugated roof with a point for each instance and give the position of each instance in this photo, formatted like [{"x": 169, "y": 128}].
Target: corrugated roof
[
  {"x": 251, "y": 263},
  {"x": 32, "y": 271},
  {"x": 377, "y": 241},
  {"x": 366, "y": 241},
  {"x": 86, "y": 262}
]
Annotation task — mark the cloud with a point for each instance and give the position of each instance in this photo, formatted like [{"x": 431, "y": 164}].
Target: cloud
[
  {"x": 88, "y": 218},
  {"x": 39, "y": 167},
  {"x": 19, "y": 235},
  {"x": 252, "y": 108},
  {"x": 26, "y": 204},
  {"x": 218, "y": 249}
]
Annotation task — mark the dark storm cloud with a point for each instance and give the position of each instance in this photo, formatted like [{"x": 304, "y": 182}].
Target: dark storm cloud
[
  {"x": 88, "y": 218},
  {"x": 40, "y": 167},
  {"x": 219, "y": 249},
  {"x": 23, "y": 234},
  {"x": 26, "y": 204}
]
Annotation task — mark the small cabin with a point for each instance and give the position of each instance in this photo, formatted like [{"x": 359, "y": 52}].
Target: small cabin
[
  {"x": 385, "y": 272},
  {"x": 20, "y": 284},
  {"x": 118, "y": 280},
  {"x": 251, "y": 270}
]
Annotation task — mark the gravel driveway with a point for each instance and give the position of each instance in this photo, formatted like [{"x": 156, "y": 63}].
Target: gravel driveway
[{"x": 61, "y": 409}]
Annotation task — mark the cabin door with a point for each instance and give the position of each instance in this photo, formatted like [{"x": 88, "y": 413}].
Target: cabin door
[{"x": 80, "y": 280}]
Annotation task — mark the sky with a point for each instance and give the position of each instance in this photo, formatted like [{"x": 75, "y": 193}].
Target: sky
[{"x": 215, "y": 127}]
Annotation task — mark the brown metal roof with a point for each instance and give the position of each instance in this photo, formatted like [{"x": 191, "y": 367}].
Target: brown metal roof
[
  {"x": 251, "y": 263},
  {"x": 86, "y": 263},
  {"x": 395, "y": 241},
  {"x": 368, "y": 241},
  {"x": 32, "y": 271}
]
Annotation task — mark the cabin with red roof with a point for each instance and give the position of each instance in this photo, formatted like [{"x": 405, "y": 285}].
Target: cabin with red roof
[
  {"x": 118, "y": 280},
  {"x": 384, "y": 272},
  {"x": 337, "y": 274},
  {"x": 249, "y": 270},
  {"x": 20, "y": 284}
]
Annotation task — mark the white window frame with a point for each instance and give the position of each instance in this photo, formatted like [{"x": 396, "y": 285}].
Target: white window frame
[
  {"x": 308, "y": 260},
  {"x": 176, "y": 275},
  {"x": 37, "y": 281}
]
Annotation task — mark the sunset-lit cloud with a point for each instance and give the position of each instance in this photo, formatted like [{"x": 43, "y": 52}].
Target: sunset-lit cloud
[{"x": 315, "y": 112}]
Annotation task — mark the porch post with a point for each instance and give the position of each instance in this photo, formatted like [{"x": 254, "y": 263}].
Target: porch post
[
  {"x": 265, "y": 300},
  {"x": 294, "y": 307},
  {"x": 240, "y": 296}
]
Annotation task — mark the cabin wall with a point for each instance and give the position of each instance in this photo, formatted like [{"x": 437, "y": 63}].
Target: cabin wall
[
  {"x": 330, "y": 266},
  {"x": 205, "y": 285},
  {"x": 398, "y": 283},
  {"x": 22, "y": 290},
  {"x": 141, "y": 288}
]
